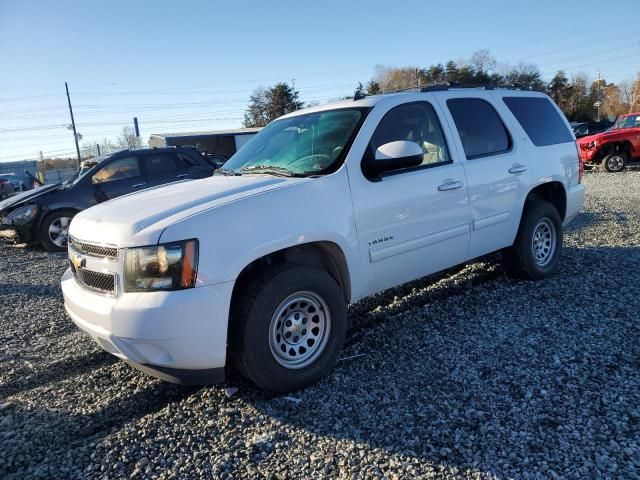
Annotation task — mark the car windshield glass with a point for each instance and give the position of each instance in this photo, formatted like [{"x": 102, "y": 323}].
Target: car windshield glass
[
  {"x": 298, "y": 146},
  {"x": 627, "y": 122}
]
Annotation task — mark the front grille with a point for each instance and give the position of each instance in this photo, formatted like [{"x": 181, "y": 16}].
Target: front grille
[
  {"x": 94, "y": 250},
  {"x": 96, "y": 281}
]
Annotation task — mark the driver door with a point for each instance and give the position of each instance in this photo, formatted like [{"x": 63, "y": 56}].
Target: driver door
[{"x": 119, "y": 177}]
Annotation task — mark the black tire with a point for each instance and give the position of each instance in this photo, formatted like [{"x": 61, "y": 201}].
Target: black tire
[
  {"x": 519, "y": 260},
  {"x": 614, "y": 162},
  {"x": 45, "y": 240},
  {"x": 251, "y": 322}
]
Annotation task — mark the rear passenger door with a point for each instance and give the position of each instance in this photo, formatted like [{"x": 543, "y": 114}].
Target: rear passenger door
[
  {"x": 161, "y": 168},
  {"x": 496, "y": 166}
]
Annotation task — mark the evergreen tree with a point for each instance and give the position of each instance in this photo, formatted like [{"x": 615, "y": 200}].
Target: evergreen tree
[{"x": 267, "y": 105}]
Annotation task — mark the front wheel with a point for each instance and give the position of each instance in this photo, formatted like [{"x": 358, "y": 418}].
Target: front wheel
[
  {"x": 535, "y": 254},
  {"x": 614, "y": 162},
  {"x": 54, "y": 231},
  {"x": 288, "y": 327}
]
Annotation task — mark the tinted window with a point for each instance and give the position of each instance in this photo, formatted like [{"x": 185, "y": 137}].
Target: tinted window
[
  {"x": 125, "y": 167},
  {"x": 540, "y": 120},
  {"x": 415, "y": 122},
  {"x": 481, "y": 129},
  {"x": 159, "y": 163},
  {"x": 186, "y": 160}
]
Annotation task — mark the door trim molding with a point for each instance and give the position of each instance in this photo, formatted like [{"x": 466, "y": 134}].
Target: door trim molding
[
  {"x": 491, "y": 220},
  {"x": 382, "y": 253}
]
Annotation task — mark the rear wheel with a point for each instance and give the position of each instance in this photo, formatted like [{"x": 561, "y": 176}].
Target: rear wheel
[
  {"x": 288, "y": 327},
  {"x": 535, "y": 254},
  {"x": 54, "y": 231},
  {"x": 614, "y": 162}
]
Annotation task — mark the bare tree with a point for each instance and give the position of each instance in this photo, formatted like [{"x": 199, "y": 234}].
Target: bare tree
[
  {"x": 482, "y": 61},
  {"x": 90, "y": 150},
  {"x": 128, "y": 139}
]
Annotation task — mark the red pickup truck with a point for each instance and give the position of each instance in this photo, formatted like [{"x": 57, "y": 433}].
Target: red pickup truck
[{"x": 612, "y": 149}]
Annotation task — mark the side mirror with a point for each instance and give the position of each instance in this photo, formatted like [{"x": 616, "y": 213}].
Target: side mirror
[{"x": 395, "y": 156}]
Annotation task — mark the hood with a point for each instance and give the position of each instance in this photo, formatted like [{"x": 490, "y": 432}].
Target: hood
[
  {"x": 139, "y": 218},
  {"x": 25, "y": 197}
]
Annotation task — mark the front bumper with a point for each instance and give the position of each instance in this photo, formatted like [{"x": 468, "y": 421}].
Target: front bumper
[
  {"x": 179, "y": 336},
  {"x": 16, "y": 234}
]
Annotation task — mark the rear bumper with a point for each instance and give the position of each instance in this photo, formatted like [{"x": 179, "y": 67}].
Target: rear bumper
[
  {"x": 179, "y": 336},
  {"x": 575, "y": 201}
]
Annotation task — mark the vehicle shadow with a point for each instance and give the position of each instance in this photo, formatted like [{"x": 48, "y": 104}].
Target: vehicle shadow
[
  {"x": 466, "y": 372},
  {"x": 22, "y": 378},
  {"x": 543, "y": 384},
  {"x": 82, "y": 432}
]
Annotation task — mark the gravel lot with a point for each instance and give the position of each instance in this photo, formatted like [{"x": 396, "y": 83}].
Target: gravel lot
[{"x": 465, "y": 375}]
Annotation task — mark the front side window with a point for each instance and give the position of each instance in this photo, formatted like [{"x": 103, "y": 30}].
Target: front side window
[
  {"x": 126, "y": 167},
  {"x": 416, "y": 122},
  {"x": 481, "y": 130},
  {"x": 303, "y": 145},
  {"x": 541, "y": 121}
]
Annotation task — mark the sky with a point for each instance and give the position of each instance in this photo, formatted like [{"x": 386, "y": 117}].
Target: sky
[{"x": 192, "y": 65}]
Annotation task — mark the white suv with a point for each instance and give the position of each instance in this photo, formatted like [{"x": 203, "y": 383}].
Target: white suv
[{"x": 323, "y": 207}]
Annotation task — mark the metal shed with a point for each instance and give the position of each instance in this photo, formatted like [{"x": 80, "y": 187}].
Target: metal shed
[
  {"x": 19, "y": 168},
  {"x": 223, "y": 143}
]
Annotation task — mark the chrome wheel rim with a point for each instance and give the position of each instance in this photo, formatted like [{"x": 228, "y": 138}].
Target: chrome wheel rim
[
  {"x": 615, "y": 163},
  {"x": 59, "y": 231},
  {"x": 543, "y": 243},
  {"x": 299, "y": 330}
]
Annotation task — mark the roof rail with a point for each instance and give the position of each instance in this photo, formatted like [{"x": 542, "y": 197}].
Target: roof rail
[{"x": 439, "y": 87}]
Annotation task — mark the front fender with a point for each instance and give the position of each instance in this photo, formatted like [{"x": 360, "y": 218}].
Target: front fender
[{"x": 235, "y": 234}]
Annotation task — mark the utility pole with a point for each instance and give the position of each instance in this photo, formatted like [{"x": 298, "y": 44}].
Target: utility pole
[
  {"x": 73, "y": 124},
  {"x": 137, "y": 130},
  {"x": 417, "y": 79},
  {"x": 293, "y": 90},
  {"x": 98, "y": 147},
  {"x": 598, "y": 103}
]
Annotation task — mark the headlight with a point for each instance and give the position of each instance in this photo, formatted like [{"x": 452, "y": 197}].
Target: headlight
[
  {"x": 171, "y": 266},
  {"x": 21, "y": 215}
]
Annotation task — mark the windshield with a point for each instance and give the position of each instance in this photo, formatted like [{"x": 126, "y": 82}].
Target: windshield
[
  {"x": 303, "y": 145},
  {"x": 627, "y": 122}
]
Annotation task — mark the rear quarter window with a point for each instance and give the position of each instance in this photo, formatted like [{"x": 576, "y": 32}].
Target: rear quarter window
[{"x": 540, "y": 120}]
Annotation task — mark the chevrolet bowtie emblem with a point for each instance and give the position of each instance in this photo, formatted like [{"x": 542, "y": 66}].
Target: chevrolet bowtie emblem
[{"x": 78, "y": 261}]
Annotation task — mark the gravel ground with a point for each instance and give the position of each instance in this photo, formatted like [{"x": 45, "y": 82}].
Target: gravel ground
[{"x": 464, "y": 375}]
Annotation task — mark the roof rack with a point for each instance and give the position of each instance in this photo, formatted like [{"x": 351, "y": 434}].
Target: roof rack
[{"x": 439, "y": 87}]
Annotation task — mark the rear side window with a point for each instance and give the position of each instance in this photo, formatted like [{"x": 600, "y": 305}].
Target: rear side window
[
  {"x": 159, "y": 163},
  {"x": 540, "y": 120},
  {"x": 481, "y": 130},
  {"x": 186, "y": 160}
]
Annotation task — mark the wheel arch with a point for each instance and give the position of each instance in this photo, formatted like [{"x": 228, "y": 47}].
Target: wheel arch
[
  {"x": 611, "y": 147},
  {"x": 323, "y": 254},
  {"x": 553, "y": 192}
]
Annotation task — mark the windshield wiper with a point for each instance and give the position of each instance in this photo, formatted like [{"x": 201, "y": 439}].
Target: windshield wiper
[
  {"x": 226, "y": 172},
  {"x": 272, "y": 170}
]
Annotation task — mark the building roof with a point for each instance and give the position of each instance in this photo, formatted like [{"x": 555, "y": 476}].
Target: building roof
[{"x": 233, "y": 131}]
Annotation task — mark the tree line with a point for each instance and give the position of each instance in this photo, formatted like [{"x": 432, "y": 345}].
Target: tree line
[{"x": 577, "y": 96}]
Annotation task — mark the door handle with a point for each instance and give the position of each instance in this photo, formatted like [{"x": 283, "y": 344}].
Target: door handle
[
  {"x": 138, "y": 185},
  {"x": 450, "y": 185},
  {"x": 518, "y": 169},
  {"x": 182, "y": 175}
]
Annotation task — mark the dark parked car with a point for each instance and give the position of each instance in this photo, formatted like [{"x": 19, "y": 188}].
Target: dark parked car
[
  {"x": 43, "y": 215},
  {"x": 590, "y": 128},
  {"x": 10, "y": 183}
]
